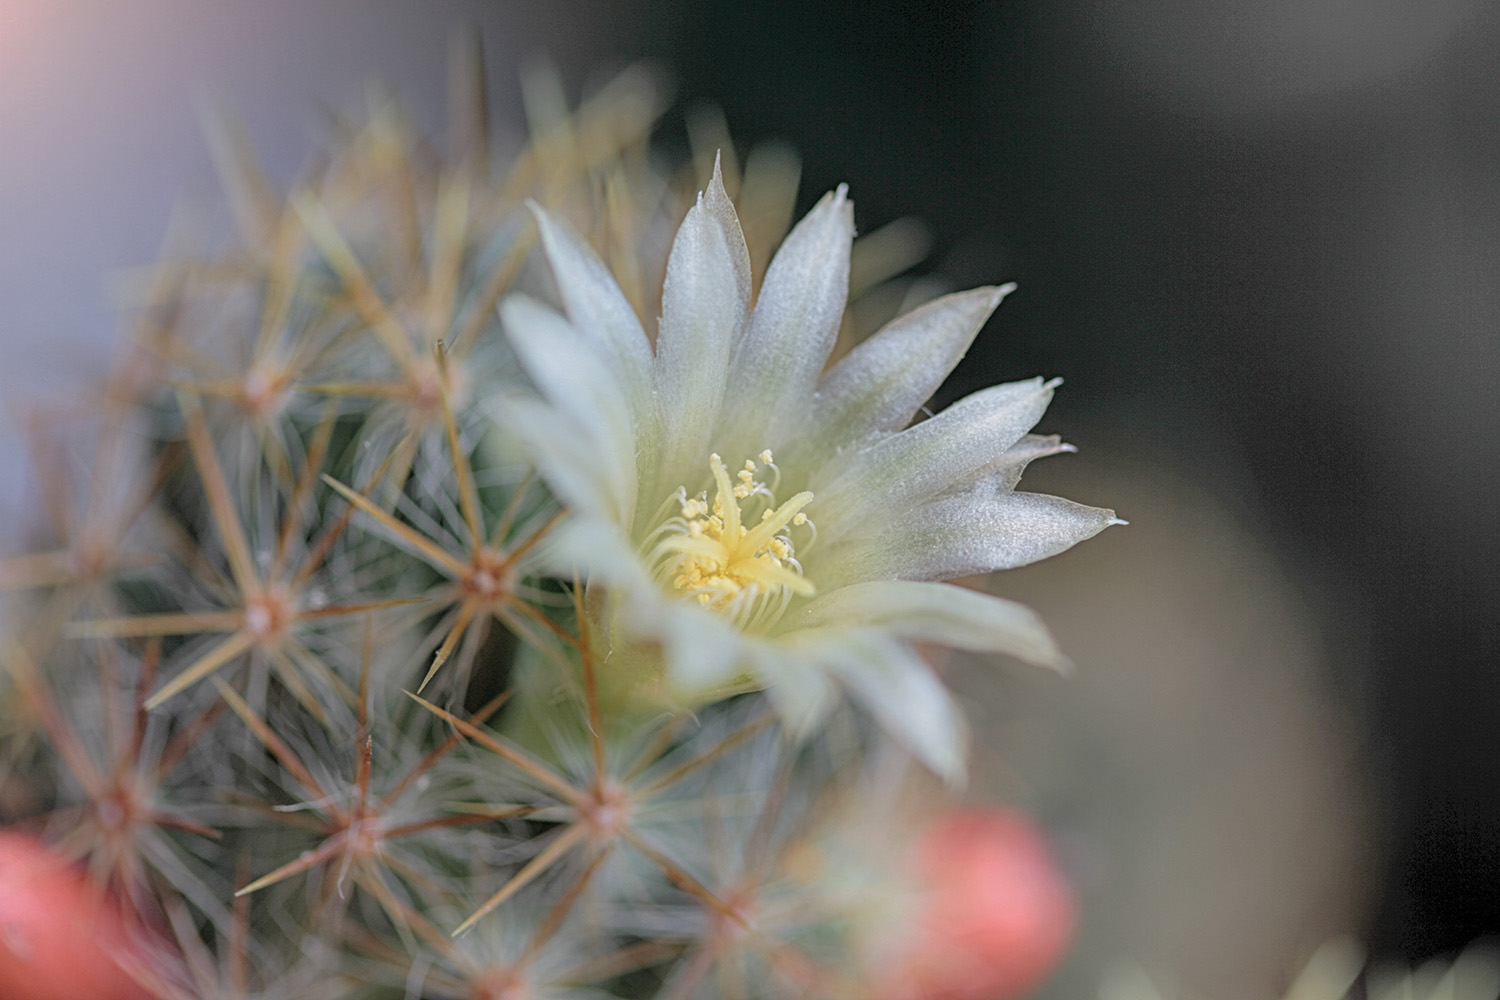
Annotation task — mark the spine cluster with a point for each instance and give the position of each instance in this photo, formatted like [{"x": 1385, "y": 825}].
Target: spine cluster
[{"x": 283, "y": 672}]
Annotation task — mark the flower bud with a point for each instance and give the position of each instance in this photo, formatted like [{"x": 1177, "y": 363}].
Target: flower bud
[
  {"x": 61, "y": 936},
  {"x": 994, "y": 915}
]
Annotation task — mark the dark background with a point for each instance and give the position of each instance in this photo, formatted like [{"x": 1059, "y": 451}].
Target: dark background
[
  {"x": 1287, "y": 280},
  {"x": 1260, "y": 239}
]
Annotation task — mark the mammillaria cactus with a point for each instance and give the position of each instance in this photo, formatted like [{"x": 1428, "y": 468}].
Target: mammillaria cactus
[{"x": 424, "y": 627}]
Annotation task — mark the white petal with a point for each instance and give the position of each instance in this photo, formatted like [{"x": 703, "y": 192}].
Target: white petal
[
  {"x": 563, "y": 455},
  {"x": 800, "y": 690},
  {"x": 598, "y": 308},
  {"x": 901, "y": 690},
  {"x": 976, "y": 532},
  {"x": 595, "y": 552},
  {"x": 777, "y": 361},
  {"x": 591, "y": 436},
  {"x": 704, "y": 305},
  {"x": 703, "y": 650},
  {"x": 1005, "y": 472},
  {"x": 940, "y": 613},
  {"x": 878, "y": 388},
  {"x": 886, "y": 480}
]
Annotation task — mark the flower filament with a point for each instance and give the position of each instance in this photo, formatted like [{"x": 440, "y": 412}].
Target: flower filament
[{"x": 706, "y": 552}]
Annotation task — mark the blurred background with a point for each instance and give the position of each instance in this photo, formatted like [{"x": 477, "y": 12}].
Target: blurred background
[{"x": 1260, "y": 239}]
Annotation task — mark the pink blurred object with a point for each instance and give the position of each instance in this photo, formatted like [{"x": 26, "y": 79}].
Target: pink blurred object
[
  {"x": 996, "y": 915},
  {"x": 60, "y": 937}
]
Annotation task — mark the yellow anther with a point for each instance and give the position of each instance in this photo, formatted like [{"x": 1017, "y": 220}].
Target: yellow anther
[
  {"x": 765, "y": 456},
  {"x": 799, "y": 519}
]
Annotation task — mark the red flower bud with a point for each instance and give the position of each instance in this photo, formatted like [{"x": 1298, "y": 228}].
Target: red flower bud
[
  {"x": 61, "y": 938},
  {"x": 995, "y": 914}
]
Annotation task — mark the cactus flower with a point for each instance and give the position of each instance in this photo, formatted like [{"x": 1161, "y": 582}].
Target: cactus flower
[{"x": 764, "y": 522}]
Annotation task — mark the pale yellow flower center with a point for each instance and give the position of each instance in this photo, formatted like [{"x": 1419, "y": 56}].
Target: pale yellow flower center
[{"x": 733, "y": 553}]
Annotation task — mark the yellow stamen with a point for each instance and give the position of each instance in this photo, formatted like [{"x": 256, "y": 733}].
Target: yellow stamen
[{"x": 707, "y": 555}]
